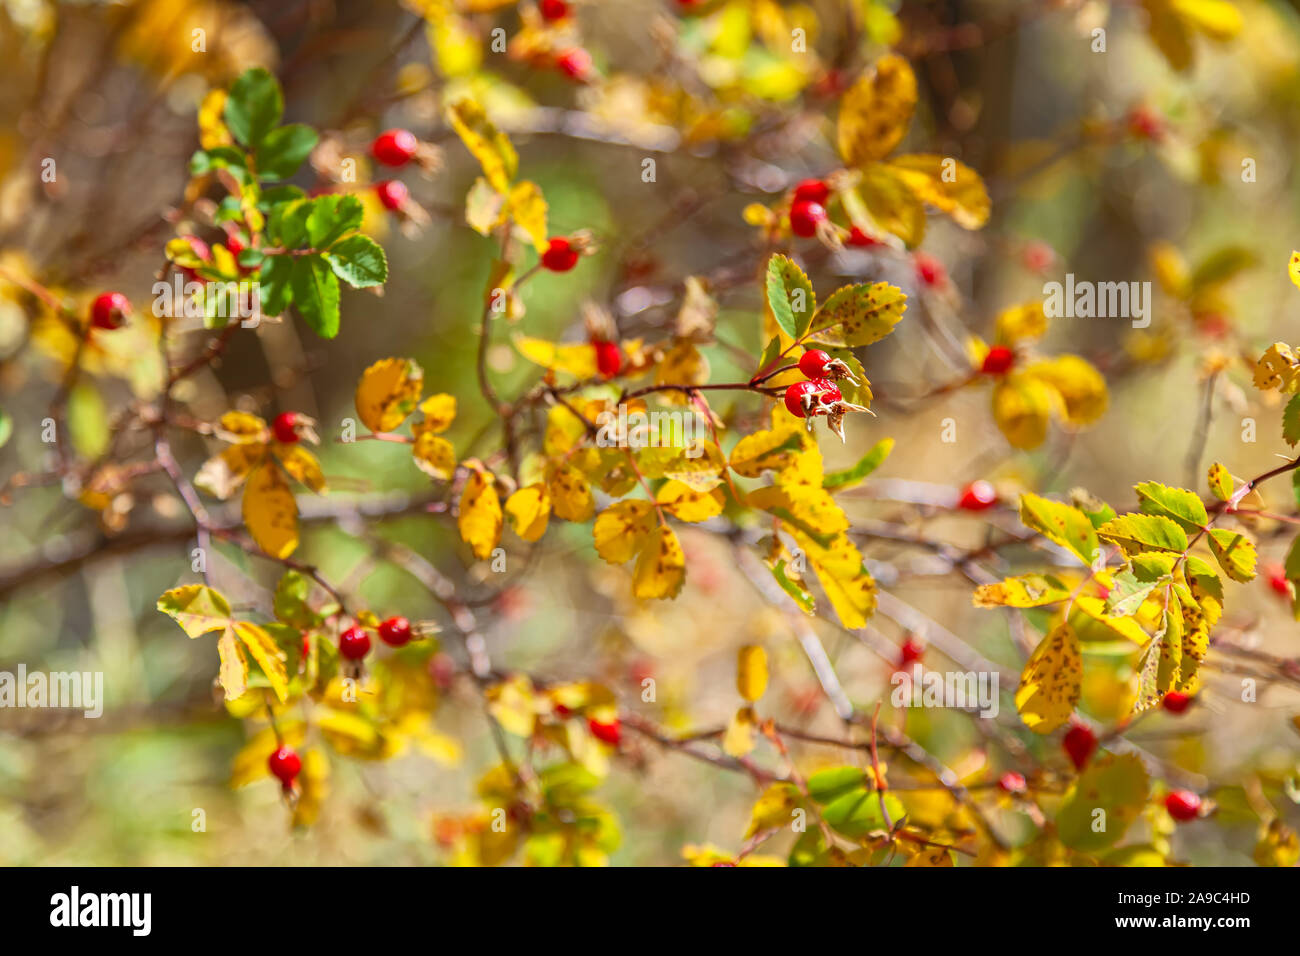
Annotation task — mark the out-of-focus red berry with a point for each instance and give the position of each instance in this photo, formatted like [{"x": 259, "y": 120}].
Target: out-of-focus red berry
[{"x": 977, "y": 496}]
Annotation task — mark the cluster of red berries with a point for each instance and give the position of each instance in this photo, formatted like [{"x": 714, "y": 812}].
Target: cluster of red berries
[
  {"x": 819, "y": 393},
  {"x": 395, "y": 148},
  {"x": 354, "y": 643},
  {"x": 109, "y": 311},
  {"x": 808, "y": 208}
]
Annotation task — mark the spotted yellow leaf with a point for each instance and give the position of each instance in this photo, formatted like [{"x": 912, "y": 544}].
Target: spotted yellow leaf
[
  {"x": 876, "y": 111},
  {"x": 387, "y": 393},
  {"x": 571, "y": 497},
  {"x": 485, "y": 142},
  {"x": 197, "y": 608},
  {"x": 269, "y": 656},
  {"x": 1051, "y": 682},
  {"x": 302, "y": 465},
  {"x": 948, "y": 185},
  {"x": 439, "y": 412},
  {"x": 686, "y": 504},
  {"x": 433, "y": 454},
  {"x": 622, "y": 529},
  {"x": 660, "y": 567}
]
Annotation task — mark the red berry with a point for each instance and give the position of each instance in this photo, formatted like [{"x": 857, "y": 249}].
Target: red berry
[
  {"x": 395, "y": 631},
  {"x": 929, "y": 269},
  {"x": 804, "y": 217},
  {"x": 285, "y": 764},
  {"x": 610, "y": 732},
  {"x": 825, "y": 391},
  {"x": 109, "y": 310},
  {"x": 1146, "y": 123},
  {"x": 859, "y": 238},
  {"x": 560, "y": 256},
  {"x": 1079, "y": 743},
  {"x": 1037, "y": 256},
  {"x": 911, "y": 652},
  {"x": 1176, "y": 702},
  {"x": 828, "y": 390},
  {"x": 812, "y": 190},
  {"x": 285, "y": 427},
  {"x": 394, "y": 147},
  {"x": 392, "y": 194},
  {"x": 1012, "y": 782},
  {"x": 354, "y": 643},
  {"x": 999, "y": 361},
  {"x": 553, "y": 9},
  {"x": 1277, "y": 580},
  {"x": 609, "y": 360},
  {"x": 813, "y": 363},
  {"x": 1183, "y": 805},
  {"x": 977, "y": 496},
  {"x": 575, "y": 63}
]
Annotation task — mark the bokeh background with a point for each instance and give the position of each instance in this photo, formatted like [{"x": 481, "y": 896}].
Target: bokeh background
[{"x": 1093, "y": 160}]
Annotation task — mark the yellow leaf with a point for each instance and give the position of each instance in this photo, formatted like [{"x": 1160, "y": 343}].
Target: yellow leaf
[
  {"x": 1293, "y": 268},
  {"x": 751, "y": 672},
  {"x": 571, "y": 497},
  {"x": 432, "y": 454},
  {"x": 1081, "y": 387},
  {"x": 1221, "y": 482},
  {"x": 302, "y": 464},
  {"x": 1051, "y": 683},
  {"x": 1021, "y": 322},
  {"x": 528, "y": 511},
  {"x": 527, "y": 207},
  {"x": 480, "y": 513},
  {"x": 1027, "y": 590},
  {"x": 891, "y": 203},
  {"x": 270, "y": 511},
  {"x": 683, "y": 364},
  {"x": 845, "y": 579},
  {"x": 1217, "y": 19},
  {"x": 313, "y": 788},
  {"x": 1278, "y": 368},
  {"x": 485, "y": 142},
  {"x": 686, "y": 504},
  {"x": 578, "y": 360},
  {"x": 241, "y": 428},
  {"x": 439, "y": 412},
  {"x": 661, "y": 566},
  {"x": 1067, "y": 526},
  {"x": 197, "y": 608},
  {"x": 267, "y": 653},
  {"x": 387, "y": 393},
  {"x": 233, "y": 675},
  {"x": 772, "y": 449},
  {"x": 876, "y": 111},
  {"x": 738, "y": 740},
  {"x": 774, "y": 808},
  {"x": 948, "y": 185},
  {"x": 212, "y": 130},
  {"x": 623, "y": 529},
  {"x": 1022, "y": 406},
  {"x": 224, "y": 472}
]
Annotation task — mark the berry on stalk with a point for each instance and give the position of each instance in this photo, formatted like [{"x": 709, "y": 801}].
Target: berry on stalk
[
  {"x": 392, "y": 194},
  {"x": 395, "y": 631},
  {"x": 354, "y": 643},
  {"x": 285, "y": 765},
  {"x": 1079, "y": 743},
  {"x": 394, "y": 147},
  {"x": 999, "y": 360},
  {"x": 977, "y": 496},
  {"x": 109, "y": 310},
  {"x": 560, "y": 255},
  {"x": 805, "y": 216},
  {"x": 1183, "y": 805}
]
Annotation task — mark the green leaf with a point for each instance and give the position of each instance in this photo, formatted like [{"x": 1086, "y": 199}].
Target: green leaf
[
  {"x": 332, "y": 217},
  {"x": 283, "y": 150},
  {"x": 273, "y": 285},
  {"x": 858, "y": 315},
  {"x": 254, "y": 106},
  {"x": 1069, "y": 527},
  {"x": 291, "y": 600},
  {"x": 1181, "y": 505},
  {"x": 868, "y": 463},
  {"x": 359, "y": 261},
  {"x": 858, "y": 812},
  {"x": 316, "y": 294},
  {"x": 197, "y": 608},
  {"x": 287, "y": 224},
  {"x": 1293, "y": 560},
  {"x": 1115, "y": 784},
  {"x": 797, "y": 592},
  {"x": 770, "y": 355},
  {"x": 1128, "y": 594},
  {"x": 790, "y": 295},
  {"x": 88, "y": 423},
  {"x": 6, "y": 427},
  {"x": 827, "y": 785},
  {"x": 1291, "y": 421},
  {"x": 1135, "y": 533},
  {"x": 1235, "y": 554}
]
